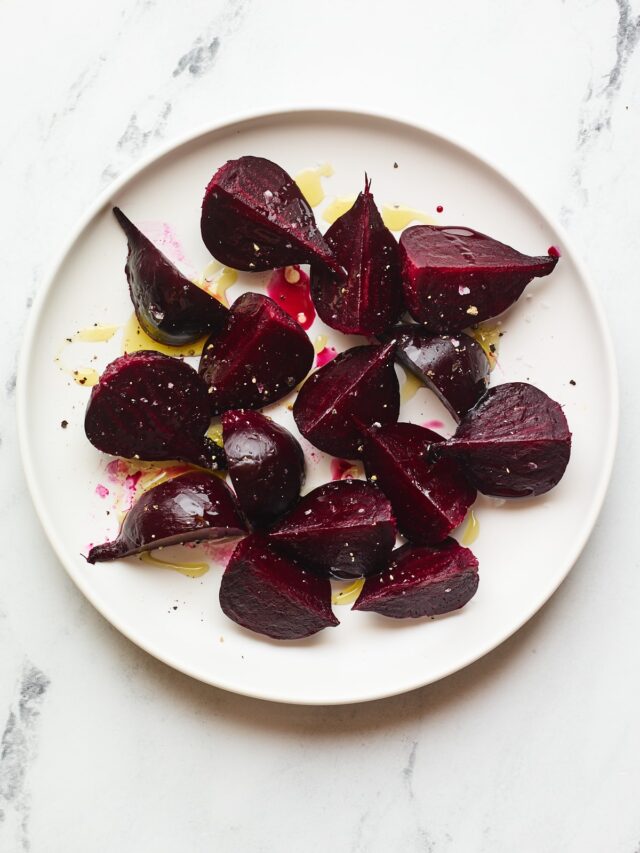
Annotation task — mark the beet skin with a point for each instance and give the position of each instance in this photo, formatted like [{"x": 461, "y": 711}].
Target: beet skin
[
  {"x": 170, "y": 308},
  {"x": 345, "y": 529},
  {"x": 453, "y": 366},
  {"x": 259, "y": 357},
  {"x": 255, "y": 218},
  {"x": 266, "y": 465},
  {"x": 514, "y": 443},
  {"x": 154, "y": 407},
  {"x": 269, "y": 594},
  {"x": 455, "y": 277},
  {"x": 195, "y": 506},
  {"x": 429, "y": 498},
  {"x": 360, "y": 383},
  {"x": 370, "y": 299},
  {"x": 422, "y": 581}
]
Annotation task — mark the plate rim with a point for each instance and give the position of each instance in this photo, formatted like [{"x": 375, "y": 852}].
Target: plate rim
[{"x": 235, "y": 121}]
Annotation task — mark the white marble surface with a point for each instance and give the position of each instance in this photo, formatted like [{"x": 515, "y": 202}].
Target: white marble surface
[{"x": 534, "y": 749}]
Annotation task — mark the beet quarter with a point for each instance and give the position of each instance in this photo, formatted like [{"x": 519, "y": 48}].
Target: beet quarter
[
  {"x": 345, "y": 529},
  {"x": 514, "y": 443},
  {"x": 170, "y": 308},
  {"x": 429, "y": 498},
  {"x": 359, "y": 383},
  {"x": 454, "y": 367},
  {"x": 154, "y": 407},
  {"x": 255, "y": 218},
  {"x": 370, "y": 299},
  {"x": 266, "y": 465},
  {"x": 189, "y": 508},
  {"x": 269, "y": 594},
  {"x": 259, "y": 357},
  {"x": 422, "y": 581},
  {"x": 454, "y": 277}
]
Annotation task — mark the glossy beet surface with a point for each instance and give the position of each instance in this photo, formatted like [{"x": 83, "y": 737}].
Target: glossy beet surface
[
  {"x": 360, "y": 383},
  {"x": 514, "y": 443},
  {"x": 422, "y": 581},
  {"x": 267, "y": 593},
  {"x": 194, "y": 506},
  {"x": 169, "y": 307},
  {"x": 266, "y": 465},
  {"x": 152, "y": 406},
  {"x": 453, "y": 366},
  {"x": 259, "y": 357},
  {"x": 429, "y": 499},
  {"x": 255, "y": 218},
  {"x": 345, "y": 529},
  {"x": 370, "y": 299},
  {"x": 454, "y": 277}
]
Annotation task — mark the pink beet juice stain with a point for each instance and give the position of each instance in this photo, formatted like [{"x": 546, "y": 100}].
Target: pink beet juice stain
[
  {"x": 102, "y": 491},
  {"x": 325, "y": 355},
  {"x": 342, "y": 469},
  {"x": 433, "y": 424},
  {"x": 289, "y": 287},
  {"x": 554, "y": 251}
]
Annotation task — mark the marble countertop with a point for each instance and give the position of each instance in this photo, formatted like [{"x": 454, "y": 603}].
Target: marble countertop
[{"x": 535, "y": 748}]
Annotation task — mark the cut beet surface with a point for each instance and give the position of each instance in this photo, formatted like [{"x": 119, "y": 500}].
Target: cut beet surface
[
  {"x": 453, "y": 366},
  {"x": 345, "y": 529},
  {"x": 360, "y": 383},
  {"x": 154, "y": 407},
  {"x": 514, "y": 443},
  {"x": 189, "y": 508},
  {"x": 429, "y": 499},
  {"x": 454, "y": 277},
  {"x": 269, "y": 594},
  {"x": 370, "y": 299},
  {"x": 266, "y": 465},
  {"x": 259, "y": 357},
  {"x": 255, "y": 218},
  {"x": 422, "y": 581},
  {"x": 170, "y": 308}
]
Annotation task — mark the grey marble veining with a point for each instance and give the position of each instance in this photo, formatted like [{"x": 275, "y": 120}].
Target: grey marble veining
[{"x": 535, "y": 748}]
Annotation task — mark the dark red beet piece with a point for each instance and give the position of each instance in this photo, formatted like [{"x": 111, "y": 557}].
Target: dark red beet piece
[
  {"x": 152, "y": 406},
  {"x": 514, "y": 443},
  {"x": 345, "y": 529},
  {"x": 170, "y": 308},
  {"x": 429, "y": 498},
  {"x": 266, "y": 465},
  {"x": 455, "y": 276},
  {"x": 359, "y": 383},
  {"x": 269, "y": 594},
  {"x": 259, "y": 357},
  {"x": 453, "y": 366},
  {"x": 255, "y": 218},
  {"x": 188, "y": 508},
  {"x": 370, "y": 299},
  {"x": 423, "y": 581}
]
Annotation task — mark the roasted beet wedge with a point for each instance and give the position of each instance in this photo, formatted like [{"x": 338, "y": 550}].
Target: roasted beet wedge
[
  {"x": 266, "y": 465},
  {"x": 269, "y": 594},
  {"x": 259, "y": 357},
  {"x": 189, "y": 508},
  {"x": 370, "y": 299},
  {"x": 255, "y": 218},
  {"x": 360, "y": 383},
  {"x": 169, "y": 307},
  {"x": 429, "y": 499},
  {"x": 423, "y": 581},
  {"x": 152, "y": 406},
  {"x": 515, "y": 443},
  {"x": 453, "y": 366},
  {"x": 455, "y": 276},
  {"x": 345, "y": 529}
]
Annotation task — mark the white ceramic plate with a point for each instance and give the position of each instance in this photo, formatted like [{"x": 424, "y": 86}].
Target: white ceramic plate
[{"x": 553, "y": 335}]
